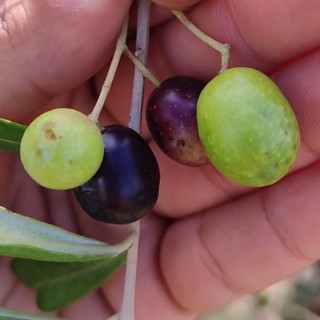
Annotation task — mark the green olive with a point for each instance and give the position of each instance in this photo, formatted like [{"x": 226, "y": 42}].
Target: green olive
[
  {"x": 61, "y": 149},
  {"x": 247, "y": 127}
]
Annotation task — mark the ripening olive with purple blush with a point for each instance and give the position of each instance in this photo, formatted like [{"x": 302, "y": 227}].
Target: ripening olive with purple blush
[
  {"x": 126, "y": 186},
  {"x": 171, "y": 118}
]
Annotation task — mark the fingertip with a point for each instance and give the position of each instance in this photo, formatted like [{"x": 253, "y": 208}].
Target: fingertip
[
  {"x": 191, "y": 276},
  {"x": 54, "y": 46},
  {"x": 240, "y": 247}
]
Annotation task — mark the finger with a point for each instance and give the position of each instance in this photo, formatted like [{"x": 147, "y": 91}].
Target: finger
[
  {"x": 91, "y": 306},
  {"x": 261, "y": 34},
  {"x": 7, "y": 280},
  {"x": 241, "y": 247},
  {"x": 52, "y": 46},
  {"x": 21, "y": 297}
]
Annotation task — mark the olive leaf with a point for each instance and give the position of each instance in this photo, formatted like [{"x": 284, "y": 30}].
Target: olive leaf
[
  {"x": 9, "y": 314},
  {"x": 60, "y": 283},
  {"x": 10, "y": 135},
  {"x": 24, "y": 237}
]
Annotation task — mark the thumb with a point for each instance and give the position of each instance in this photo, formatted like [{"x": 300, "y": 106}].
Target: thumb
[{"x": 50, "y": 46}]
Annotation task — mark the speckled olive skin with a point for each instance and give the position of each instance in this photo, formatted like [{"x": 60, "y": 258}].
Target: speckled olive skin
[
  {"x": 61, "y": 149},
  {"x": 171, "y": 118},
  {"x": 247, "y": 127}
]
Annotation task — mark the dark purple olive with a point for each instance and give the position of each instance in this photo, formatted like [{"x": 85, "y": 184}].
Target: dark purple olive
[
  {"x": 171, "y": 118},
  {"x": 126, "y": 186}
]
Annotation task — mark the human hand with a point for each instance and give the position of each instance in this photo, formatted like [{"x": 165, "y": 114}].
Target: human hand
[{"x": 209, "y": 241}]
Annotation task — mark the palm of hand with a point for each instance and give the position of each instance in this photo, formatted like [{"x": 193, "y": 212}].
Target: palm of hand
[{"x": 204, "y": 257}]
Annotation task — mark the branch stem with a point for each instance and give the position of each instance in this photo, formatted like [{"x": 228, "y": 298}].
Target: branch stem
[
  {"x": 222, "y": 48},
  {"x": 121, "y": 43},
  {"x": 143, "y": 69},
  {"x": 127, "y": 310}
]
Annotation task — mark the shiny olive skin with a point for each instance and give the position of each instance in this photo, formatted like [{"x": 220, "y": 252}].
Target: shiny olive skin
[
  {"x": 248, "y": 127},
  {"x": 126, "y": 186},
  {"x": 171, "y": 118}
]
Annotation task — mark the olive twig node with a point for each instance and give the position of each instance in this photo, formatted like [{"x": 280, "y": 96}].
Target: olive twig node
[{"x": 147, "y": 73}]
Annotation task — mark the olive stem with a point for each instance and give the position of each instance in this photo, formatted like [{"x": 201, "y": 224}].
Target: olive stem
[
  {"x": 127, "y": 310},
  {"x": 147, "y": 73},
  {"x": 121, "y": 43},
  {"x": 222, "y": 48}
]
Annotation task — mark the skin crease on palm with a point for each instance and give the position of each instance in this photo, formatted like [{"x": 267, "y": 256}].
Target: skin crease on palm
[{"x": 208, "y": 241}]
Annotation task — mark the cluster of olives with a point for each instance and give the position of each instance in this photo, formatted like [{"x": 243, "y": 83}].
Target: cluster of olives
[
  {"x": 113, "y": 173},
  {"x": 239, "y": 121}
]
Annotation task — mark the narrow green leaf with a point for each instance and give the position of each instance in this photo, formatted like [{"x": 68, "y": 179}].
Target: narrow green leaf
[
  {"x": 60, "y": 283},
  {"x": 10, "y": 135},
  {"x": 9, "y": 314},
  {"x": 24, "y": 237}
]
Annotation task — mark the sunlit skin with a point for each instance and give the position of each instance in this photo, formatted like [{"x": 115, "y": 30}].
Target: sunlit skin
[{"x": 222, "y": 241}]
